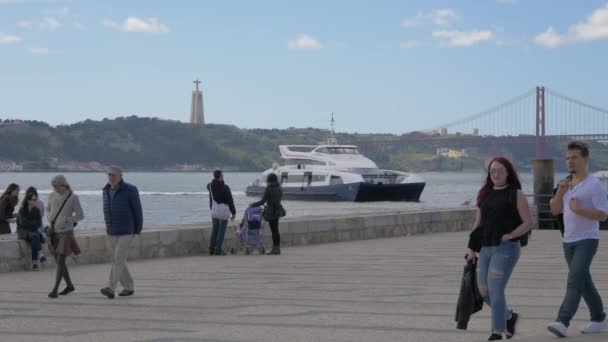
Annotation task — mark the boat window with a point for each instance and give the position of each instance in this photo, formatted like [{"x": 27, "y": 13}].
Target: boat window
[
  {"x": 308, "y": 177},
  {"x": 338, "y": 150},
  {"x": 335, "y": 180},
  {"x": 303, "y": 162}
]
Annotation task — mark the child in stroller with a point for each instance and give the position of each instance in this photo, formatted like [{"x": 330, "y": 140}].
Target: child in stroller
[{"x": 250, "y": 232}]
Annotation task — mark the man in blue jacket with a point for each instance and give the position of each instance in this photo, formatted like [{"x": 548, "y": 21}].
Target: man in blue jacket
[{"x": 124, "y": 219}]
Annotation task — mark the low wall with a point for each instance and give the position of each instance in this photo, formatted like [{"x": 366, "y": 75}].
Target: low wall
[{"x": 172, "y": 241}]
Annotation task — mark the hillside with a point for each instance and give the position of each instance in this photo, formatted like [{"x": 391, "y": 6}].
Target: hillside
[{"x": 150, "y": 144}]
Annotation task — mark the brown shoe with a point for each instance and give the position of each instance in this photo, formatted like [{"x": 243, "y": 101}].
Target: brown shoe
[
  {"x": 106, "y": 291},
  {"x": 126, "y": 293},
  {"x": 275, "y": 251}
]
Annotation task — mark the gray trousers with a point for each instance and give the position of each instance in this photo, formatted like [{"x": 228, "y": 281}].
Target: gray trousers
[{"x": 119, "y": 246}]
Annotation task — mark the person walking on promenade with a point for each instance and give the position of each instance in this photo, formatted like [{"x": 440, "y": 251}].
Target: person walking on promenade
[
  {"x": 8, "y": 202},
  {"x": 273, "y": 210},
  {"x": 123, "y": 216},
  {"x": 29, "y": 220},
  {"x": 501, "y": 227},
  {"x": 583, "y": 201},
  {"x": 63, "y": 212},
  {"x": 222, "y": 209}
]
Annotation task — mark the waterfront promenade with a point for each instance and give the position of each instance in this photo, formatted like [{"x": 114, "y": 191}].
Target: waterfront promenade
[{"x": 398, "y": 289}]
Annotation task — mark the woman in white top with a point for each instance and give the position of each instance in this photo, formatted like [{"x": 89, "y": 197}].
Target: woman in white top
[{"x": 63, "y": 212}]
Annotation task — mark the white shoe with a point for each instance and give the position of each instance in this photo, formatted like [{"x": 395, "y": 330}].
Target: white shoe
[
  {"x": 558, "y": 329},
  {"x": 596, "y": 327}
]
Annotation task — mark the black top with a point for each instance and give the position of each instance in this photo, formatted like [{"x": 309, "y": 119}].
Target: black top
[
  {"x": 29, "y": 219},
  {"x": 7, "y": 208},
  {"x": 221, "y": 195},
  {"x": 499, "y": 216},
  {"x": 272, "y": 196}
]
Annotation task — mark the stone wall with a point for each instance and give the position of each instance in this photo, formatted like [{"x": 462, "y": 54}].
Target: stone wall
[{"x": 173, "y": 241}]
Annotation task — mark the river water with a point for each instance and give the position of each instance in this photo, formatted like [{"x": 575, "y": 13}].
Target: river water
[{"x": 181, "y": 198}]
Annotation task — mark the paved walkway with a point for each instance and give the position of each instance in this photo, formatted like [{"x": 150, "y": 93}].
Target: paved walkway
[{"x": 402, "y": 289}]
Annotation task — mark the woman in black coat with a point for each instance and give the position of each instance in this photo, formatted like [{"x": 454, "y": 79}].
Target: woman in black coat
[
  {"x": 273, "y": 210},
  {"x": 29, "y": 221},
  {"x": 8, "y": 202}
]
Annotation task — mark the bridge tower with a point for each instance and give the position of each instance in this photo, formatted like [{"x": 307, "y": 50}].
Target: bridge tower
[{"x": 540, "y": 122}]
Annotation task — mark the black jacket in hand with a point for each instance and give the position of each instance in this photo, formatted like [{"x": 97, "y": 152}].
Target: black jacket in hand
[{"x": 469, "y": 301}]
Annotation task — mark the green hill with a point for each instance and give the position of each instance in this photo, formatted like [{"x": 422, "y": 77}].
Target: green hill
[{"x": 150, "y": 144}]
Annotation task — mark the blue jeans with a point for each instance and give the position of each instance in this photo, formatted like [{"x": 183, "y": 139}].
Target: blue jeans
[
  {"x": 217, "y": 236},
  {"x": 579, "y": 255},
  {"x": 494, "y": 269},
  {"x": 35, "y": 240}
]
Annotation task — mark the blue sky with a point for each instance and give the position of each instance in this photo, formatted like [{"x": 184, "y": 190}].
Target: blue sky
[{"x": 381, "y": 66}]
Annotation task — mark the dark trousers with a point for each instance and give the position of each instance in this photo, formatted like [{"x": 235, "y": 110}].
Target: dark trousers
[
  {"x": 579, "y": 255},
  {"x": 5, "y": 228},
  {"x": 35, "y": 241},
  {"x": 274, "y": 228},
  {"x": 217, "y": 236}
]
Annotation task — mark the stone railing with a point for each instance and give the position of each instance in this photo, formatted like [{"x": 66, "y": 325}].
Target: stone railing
[{"x": 171, "y": 241}]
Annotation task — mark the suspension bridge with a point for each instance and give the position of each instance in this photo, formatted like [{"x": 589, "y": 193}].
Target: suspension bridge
[{"x": 538, "y": 116}]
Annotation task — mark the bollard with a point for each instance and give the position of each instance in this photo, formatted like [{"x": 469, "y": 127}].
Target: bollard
[{"x": 543, "y": 192}]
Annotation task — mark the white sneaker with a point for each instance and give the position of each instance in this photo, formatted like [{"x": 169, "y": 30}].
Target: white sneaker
[
  {"x": 596, "y": 327},
  {"x": 558, "y": 329}
]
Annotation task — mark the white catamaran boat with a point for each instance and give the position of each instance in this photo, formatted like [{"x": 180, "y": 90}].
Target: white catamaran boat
[
  {"x": 333, "y": 172},
  {"x": 603, "y": 176}
]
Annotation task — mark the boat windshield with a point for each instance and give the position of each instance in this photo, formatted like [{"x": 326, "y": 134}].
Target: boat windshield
[{"x": 337, "y": 150}]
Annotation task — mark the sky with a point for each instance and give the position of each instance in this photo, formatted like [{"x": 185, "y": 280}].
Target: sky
[{"x": 382, "y": 66}]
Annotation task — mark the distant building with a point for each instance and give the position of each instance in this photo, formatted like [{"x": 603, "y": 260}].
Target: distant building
[
  {"x": 449, "y": 153},
  {"x": 444, "y": 131},
  {"x": 197, "y": 113},
  {"x": 475, "y": 131}
]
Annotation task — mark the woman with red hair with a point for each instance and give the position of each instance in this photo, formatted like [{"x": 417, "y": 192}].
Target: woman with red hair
[{"x": 503, "y": 221}]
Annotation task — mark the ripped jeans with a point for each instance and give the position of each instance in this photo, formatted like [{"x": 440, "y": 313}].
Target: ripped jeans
[{"x": 494, "y": 268}]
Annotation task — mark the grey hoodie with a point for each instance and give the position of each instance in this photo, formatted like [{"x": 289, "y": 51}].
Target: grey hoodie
[{"x": 70, "y": 214}]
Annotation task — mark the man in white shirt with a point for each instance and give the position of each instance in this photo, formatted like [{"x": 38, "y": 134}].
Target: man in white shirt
[{"x": 583, "y": 201}]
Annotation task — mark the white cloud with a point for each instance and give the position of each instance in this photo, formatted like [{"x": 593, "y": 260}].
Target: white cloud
[
  {"x": 50, "y": 24},
  {"x": 39, "y": 51},
  {"x": 304, "y": 41},
  {"x": 438, "y": 17},
  {"x": 25, "y": 24},
  {"x": 457, "y": 38},
  {"x": 595, "y": 27},
  {"x": 409, "y": 44},
  {"x": 6, "y": 39},
  {"x": 549, "y": 38},
  {"x": 79, "y": 26},
  {"x": 135, "y": 24}
]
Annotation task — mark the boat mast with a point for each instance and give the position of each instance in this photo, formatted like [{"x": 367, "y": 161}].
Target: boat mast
[{"x": 332, "y": 138}]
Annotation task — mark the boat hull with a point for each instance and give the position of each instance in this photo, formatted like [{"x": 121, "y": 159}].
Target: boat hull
[{"x": 354, "y": 192}]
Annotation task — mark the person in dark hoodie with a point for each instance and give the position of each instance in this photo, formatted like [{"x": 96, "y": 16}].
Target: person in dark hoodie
[
  {"x": 273, "y": 210},
  {"x": 222, "y": 209},
  {"x": 8, "y": 202},
  {"x": 124, "y": 219},
  {"x": 29, "y": 221}
]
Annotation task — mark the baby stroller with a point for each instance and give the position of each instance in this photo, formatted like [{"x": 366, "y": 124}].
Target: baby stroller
[{"x": 250, "y": 233}]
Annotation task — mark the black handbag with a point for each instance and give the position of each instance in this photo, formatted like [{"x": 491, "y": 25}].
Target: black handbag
[{"x": 273, "y": 212}]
